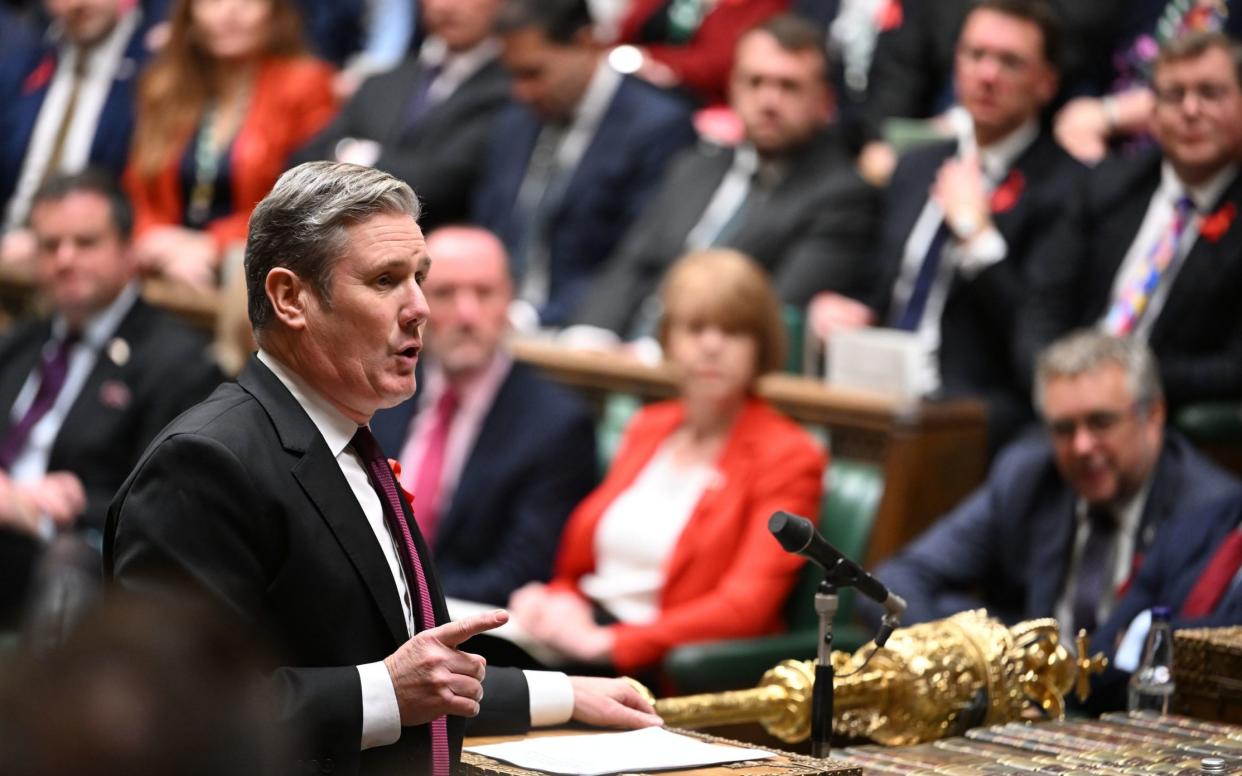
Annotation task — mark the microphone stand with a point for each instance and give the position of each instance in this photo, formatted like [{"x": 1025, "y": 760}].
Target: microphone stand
[{"x": 826, "y": 601}]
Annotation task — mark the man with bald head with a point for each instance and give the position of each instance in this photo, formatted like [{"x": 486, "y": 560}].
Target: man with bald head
[{"x": 491, "y": 448}]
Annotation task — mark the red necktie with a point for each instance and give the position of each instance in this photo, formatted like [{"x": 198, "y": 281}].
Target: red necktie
[
  {"x": 431, "y": 468},
  {"x": 1216, "y": 577},
  {"x": 386, "y": 487}
]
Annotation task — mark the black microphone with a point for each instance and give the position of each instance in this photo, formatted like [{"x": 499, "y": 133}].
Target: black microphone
[{"x": 798, "y": 535}]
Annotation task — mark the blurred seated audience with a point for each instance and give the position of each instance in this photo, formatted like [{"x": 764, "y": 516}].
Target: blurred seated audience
[
  {"x": 689, "y": 43},
  {"x": 961, "y": 216},
  {"x": 66, "y": 102},
  {"x": 222, "y": 107},
  {"x": 362, "y": 37},
  {"x": 1089, "y": 125},
  {"x": 491, "y": 448},
  {"x": 84, "y": 390},
  {"x": 1068, "y": 515},
  {"x": 912, "y": 70},
  {"x": 1150, "y": 249},
  {"x": 1193, "y": 570},
  {"x": 141, "y": 687},
  {"x": 788, "y": 195},
  {"x": 429, "y": 121},
  {"x": 575, "y": 159},
  {"x": 673, "y": 547}
]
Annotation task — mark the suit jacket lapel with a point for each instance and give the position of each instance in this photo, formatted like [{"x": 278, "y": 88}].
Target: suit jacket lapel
[
  {"x": 25, "y": 358},
  {"x": 1052, "y": 536},
  {"x": 320, "y": 477}
]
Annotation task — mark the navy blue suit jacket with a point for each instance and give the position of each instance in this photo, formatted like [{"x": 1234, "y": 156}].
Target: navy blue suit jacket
[
  {"x": 1008, "y": 545},
  {"x": 1178, "y": 558},
  {"x": 24, "y": 82},
  {"x": 641, "y": 129},
  {"x": 978, "y": 328},
  {"x": 533, "y": 461}
]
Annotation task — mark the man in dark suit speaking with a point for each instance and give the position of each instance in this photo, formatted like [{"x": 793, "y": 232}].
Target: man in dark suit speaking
[{"x": 272, "y": 498}]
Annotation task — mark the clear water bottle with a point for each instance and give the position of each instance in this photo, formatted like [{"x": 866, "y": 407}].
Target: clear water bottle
[{"x": 1151, "y": 686}]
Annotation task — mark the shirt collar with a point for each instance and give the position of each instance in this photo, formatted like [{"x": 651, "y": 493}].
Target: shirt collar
[
  {"x": 110, "y": 47},
  {"x": 598, "y": 95},
  {"x": 1204, "y": 195},
  {"x": 435, "y": 53},
  {"x": 480, "y": 390},
  {"x": 997, "y": 158},
  {"x": 101, "y": 326},
  {"x": 336, "y": 429}
]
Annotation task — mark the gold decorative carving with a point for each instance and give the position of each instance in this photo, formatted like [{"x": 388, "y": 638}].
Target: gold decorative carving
[{"x": 929, "y": 681}]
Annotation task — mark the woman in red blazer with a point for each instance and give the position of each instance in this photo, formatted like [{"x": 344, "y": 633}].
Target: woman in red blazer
[
  {"x": 674, "y": 545},
  {"x": 230, "y": 96}
]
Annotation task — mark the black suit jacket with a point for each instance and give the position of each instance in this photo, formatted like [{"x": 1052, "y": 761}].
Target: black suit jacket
[
  {"x": 641, "y": 129},
  {"x": 979, "y": 323},
  {"x": 811, "y": 231},
  {"x": 441, "y": 154},
  {"x": 1008, "y": 545},
  {"x": 124, "y": 402},
  {"x": 241, "y": 500},
  {"x": 1197, "y": 337},
  {"x": 533, "y": 461}
]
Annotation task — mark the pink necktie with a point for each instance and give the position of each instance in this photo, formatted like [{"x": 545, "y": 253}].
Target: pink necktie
[
  {"x": 384, "y": 484},
  {"x": 431, "y": 468}
]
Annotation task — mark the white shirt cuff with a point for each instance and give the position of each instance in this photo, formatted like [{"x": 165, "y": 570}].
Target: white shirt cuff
[
  {"x": 985, "y": 249},
  {"x": 551, "y": 698},
  {"x": 381, "y": 716}
]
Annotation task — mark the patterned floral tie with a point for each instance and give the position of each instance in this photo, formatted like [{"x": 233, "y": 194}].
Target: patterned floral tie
[{"x": 1129, "y": 306}]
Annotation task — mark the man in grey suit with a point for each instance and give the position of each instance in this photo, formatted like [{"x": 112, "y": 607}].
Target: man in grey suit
[
  {"x": 1066, "y": 517},
  {"x": 428, "y": 121},
  {"x": 787, "y": 195}
]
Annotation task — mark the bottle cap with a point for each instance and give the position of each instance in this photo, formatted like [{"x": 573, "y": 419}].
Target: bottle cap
[
  {"x": 1212, "y": 765},
  {"x": 1161, "y": 613}
]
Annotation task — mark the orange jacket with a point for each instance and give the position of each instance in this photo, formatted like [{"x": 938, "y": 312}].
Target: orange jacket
[
  {"x": 291, "y": 102},
  {"x": 727, "y": 576}
]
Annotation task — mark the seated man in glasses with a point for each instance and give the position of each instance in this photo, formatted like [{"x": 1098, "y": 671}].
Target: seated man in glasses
[{"x": 1067, "y": 515}]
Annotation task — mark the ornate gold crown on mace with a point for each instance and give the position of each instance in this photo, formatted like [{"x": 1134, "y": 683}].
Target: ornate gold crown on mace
[{"x": 929, "y": 681}]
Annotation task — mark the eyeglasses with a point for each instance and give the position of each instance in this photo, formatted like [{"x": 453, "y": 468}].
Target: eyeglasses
[
  {"x": 1207, "y": 93},
  {"x": 1009, "y": 62},
  {"x": 1097, "y": 424}
]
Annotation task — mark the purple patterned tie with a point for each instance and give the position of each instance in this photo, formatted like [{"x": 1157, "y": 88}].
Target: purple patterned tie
[
  {"x": 1094, "y": 567},
  {"x": 386, "y": 487},
  {"x": 53, "y": 370}
]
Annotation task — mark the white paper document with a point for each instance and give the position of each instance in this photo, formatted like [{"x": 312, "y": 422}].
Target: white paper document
[{"x": 649, "y": 749}]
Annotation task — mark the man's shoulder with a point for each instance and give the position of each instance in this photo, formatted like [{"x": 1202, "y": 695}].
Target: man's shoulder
[
  {"x": 1046, "y": 163},
  {"x": 1025, "y": 465},
  {"x": 1200, "y": 479},
  {"x": 639, "y": 102},
  {"x": 229, "y": 415},
  {"x": 542, "y": 400}
]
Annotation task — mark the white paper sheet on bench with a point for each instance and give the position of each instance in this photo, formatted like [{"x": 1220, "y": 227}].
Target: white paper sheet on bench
[{"x": 649, "y": 749}]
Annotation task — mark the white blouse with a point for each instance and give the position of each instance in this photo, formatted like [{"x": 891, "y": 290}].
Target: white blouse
[{"x": 637, "y": 534}]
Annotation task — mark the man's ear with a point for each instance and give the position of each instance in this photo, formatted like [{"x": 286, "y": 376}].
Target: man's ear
[{"x": 289, "y": 296}]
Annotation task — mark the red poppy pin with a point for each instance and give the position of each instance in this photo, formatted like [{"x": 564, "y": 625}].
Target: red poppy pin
[
  {"x": 1006, "y": 195},
  {"x": 395, "y": 465},
  {"x": 39, "y": 77},
  {"x": 1217, "y": 223}
]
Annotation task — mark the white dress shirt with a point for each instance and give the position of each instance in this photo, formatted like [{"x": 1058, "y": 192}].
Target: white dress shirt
[
  {"x": 551, "y": 695},
  {"x": 106, "y": 63},
  {"x": 97, "y": 336},
  {"x": 969, "y": 258}
]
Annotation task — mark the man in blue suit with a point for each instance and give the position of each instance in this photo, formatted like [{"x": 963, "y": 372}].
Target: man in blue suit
[
  {"x": 574, "y": 161},
  {"x": 497, "y": 455},
  {"x": 1195, "y": 569},
  {"x": 1065, "y": 518},
  {"x": 68, "y": 105}
]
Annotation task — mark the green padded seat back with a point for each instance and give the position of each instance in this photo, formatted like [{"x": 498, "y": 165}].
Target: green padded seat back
[
  {"x": 1211, "y": 422},
  {"x": 852, "y": 491},
  {"x": 619, "y": 409}
]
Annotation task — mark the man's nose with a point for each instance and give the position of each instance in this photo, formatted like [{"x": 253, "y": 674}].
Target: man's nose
[{"x": 1083, "y": 440}]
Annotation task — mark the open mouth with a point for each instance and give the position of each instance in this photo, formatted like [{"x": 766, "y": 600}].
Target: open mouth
[{"x": 410, "y": 352}]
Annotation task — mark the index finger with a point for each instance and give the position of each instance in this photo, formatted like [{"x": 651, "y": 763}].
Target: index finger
[{"x": 451, "y": 634}]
